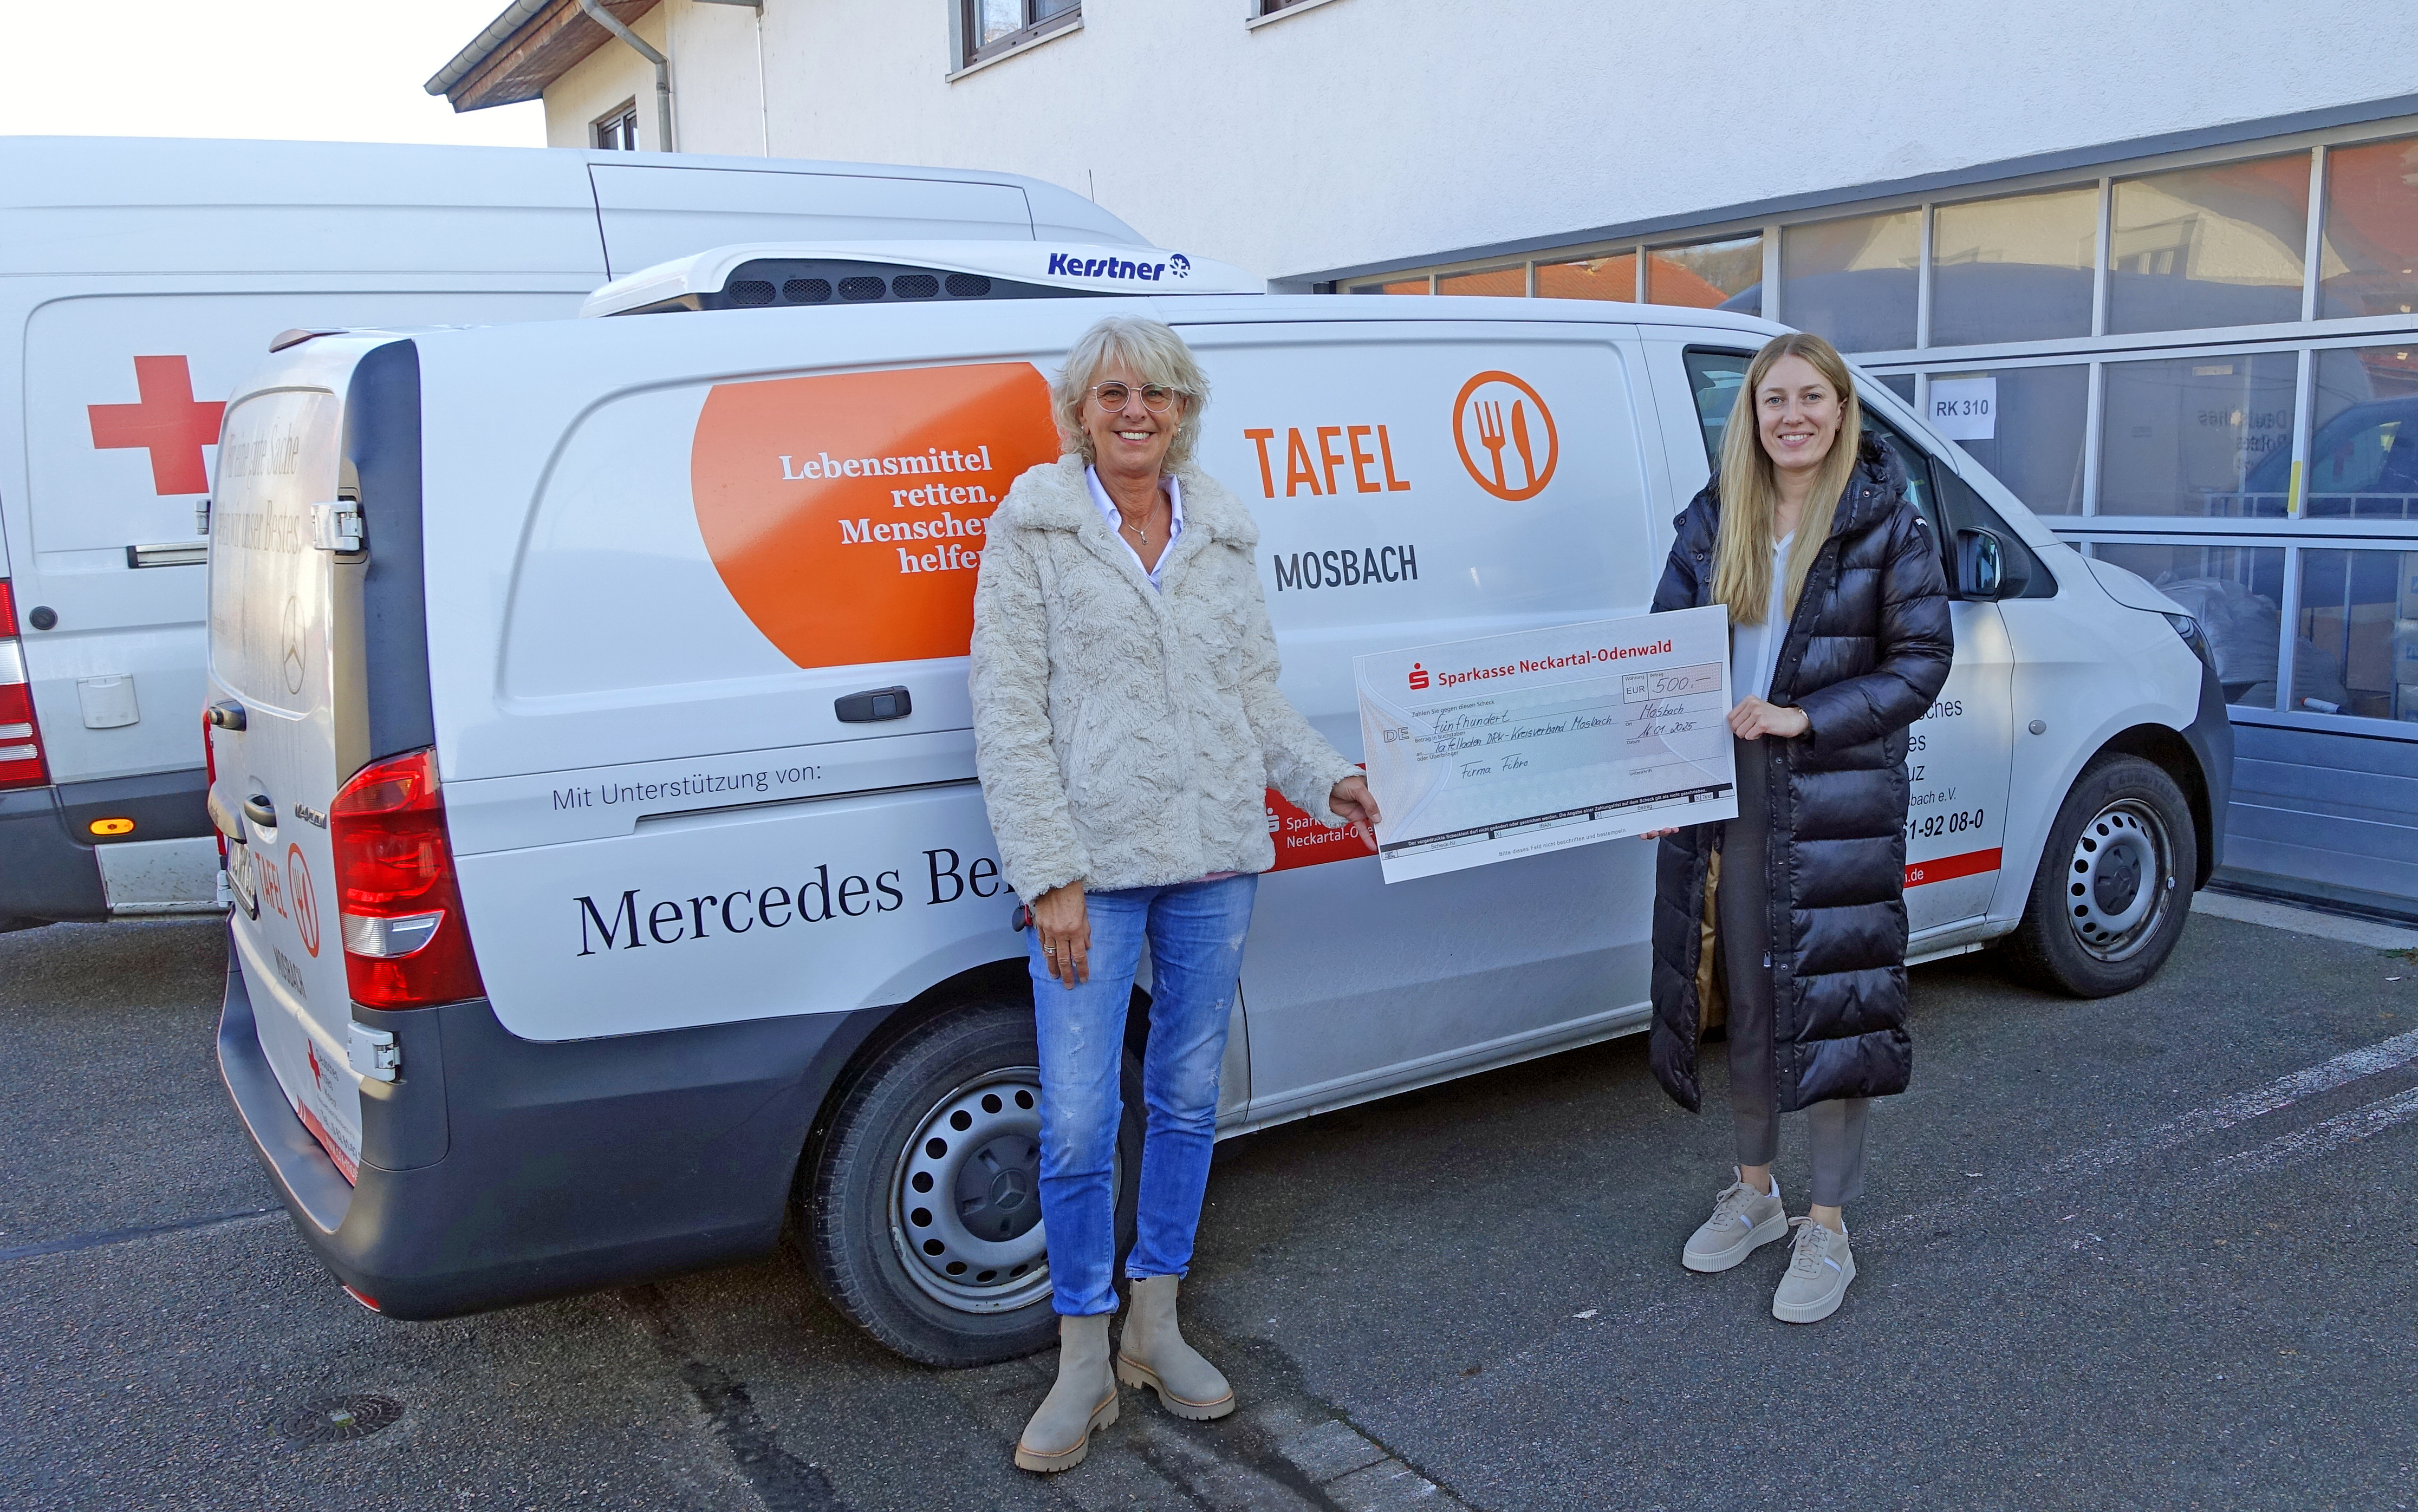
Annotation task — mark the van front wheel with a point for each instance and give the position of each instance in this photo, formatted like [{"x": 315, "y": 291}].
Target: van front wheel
[
  {"x": 2114, "y": 885},
  {"x": 922, "y": 1203}
]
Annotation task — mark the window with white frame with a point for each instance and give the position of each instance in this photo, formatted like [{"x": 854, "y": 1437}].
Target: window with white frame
[
  {"x": 617, "y": 130},
  {"x": 994, "y": 27}
]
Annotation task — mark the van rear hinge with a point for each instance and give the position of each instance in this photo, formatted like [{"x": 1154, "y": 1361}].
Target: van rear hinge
[
  {"x": 375, "y": 1053},
  {"x": 336, "y": 526}
]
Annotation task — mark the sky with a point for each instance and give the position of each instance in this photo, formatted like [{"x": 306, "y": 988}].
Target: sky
[{"x": 333, "y": 70}]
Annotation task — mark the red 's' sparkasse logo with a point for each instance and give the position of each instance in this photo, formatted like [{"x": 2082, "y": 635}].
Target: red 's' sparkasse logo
[{"x": 1418, "y": 676}]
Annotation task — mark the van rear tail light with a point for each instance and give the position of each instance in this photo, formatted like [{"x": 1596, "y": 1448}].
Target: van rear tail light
[
  {"x": 21, "y": 737},
  {"x": 406, "y": 944}
]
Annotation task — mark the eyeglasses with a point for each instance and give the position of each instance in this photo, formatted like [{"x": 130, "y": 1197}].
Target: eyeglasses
[{"x": 1155, "y": 397}]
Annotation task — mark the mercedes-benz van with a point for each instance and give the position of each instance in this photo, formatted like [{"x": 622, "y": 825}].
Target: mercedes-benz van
[
  {"x": 592, "y": 738},
  {"x": 140, "y": 280}
]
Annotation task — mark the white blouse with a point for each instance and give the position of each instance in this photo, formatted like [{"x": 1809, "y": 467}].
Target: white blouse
[
  {"x": 1109, "y": 511},
  {"x": 1754, "y": 649}
]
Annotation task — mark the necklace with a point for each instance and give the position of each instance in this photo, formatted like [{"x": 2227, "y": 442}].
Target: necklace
[{"x": 1139, "y": 532}]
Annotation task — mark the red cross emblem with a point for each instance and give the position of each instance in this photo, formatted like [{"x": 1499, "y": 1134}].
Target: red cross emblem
[{"x": 169, "y": 423}]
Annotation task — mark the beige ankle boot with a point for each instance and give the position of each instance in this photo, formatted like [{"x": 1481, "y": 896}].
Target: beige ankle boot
[
  {"x": 1083, "y": 1399},
  {"x": 1152, "y": 1352}
]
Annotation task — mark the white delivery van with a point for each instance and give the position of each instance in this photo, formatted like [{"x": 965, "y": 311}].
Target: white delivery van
[
  {"x": 592, "y": 740},
  {"x": 139, "y": 279}
]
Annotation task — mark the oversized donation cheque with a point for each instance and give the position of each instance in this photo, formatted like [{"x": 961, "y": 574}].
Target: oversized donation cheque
[{"x": 1512, "y": 746}]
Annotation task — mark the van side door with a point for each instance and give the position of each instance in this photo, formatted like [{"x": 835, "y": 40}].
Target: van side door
[
  {"x": 1420, "y": 482},
  {"x": 1959, "y": 753}
]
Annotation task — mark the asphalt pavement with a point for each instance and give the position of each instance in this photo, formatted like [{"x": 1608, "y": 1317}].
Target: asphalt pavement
[{"x": 2156, "y": 1251}]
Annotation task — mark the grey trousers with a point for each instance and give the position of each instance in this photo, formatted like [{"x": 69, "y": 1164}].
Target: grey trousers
[{"x": 1743, "y": 915}]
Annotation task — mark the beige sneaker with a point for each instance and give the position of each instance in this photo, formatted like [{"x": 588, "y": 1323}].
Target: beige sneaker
[
  {"x": 1743, "y": 1221},
  {"x": 1820, "y": 1269}
]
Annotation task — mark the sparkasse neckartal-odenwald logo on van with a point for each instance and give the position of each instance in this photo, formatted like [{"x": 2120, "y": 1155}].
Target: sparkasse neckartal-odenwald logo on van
[{"x": 847, "y": 513}]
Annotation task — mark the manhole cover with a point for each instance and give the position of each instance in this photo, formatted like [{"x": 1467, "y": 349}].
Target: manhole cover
[{"x": 334, "y": 1419}]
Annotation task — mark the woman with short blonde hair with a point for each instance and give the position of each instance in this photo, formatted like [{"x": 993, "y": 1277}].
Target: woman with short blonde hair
[
  {"x": 1791, "y": 918},
  {"x": 1126, "y": 729}
]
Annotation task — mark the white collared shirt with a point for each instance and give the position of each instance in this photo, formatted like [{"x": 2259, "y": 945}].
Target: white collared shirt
[
  {"x": 1754, "y": 649},
  {"x": 1117, "y": 521}
]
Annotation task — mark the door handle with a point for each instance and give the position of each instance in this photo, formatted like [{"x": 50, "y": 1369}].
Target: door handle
[
  {"x": 226, "y": 717},
  {"x": 259, "y": 811},
  {"x": 226, "y": 823},
  {"x": 873, "y": 706}
]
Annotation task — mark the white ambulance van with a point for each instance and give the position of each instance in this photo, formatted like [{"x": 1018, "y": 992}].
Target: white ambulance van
[
  {"x": 592, "y": 738},
  {"x": 139, "y": 279}
]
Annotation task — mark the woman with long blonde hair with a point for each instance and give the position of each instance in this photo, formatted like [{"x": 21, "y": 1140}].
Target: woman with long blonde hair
[{"x": 1790, "y": 920}]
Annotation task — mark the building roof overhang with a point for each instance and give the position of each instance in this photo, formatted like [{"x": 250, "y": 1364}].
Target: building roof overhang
[{"x": 524, "y": 50}]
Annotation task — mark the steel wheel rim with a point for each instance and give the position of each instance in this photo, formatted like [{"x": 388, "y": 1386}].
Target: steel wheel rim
[
  {"x": 2119, "y": 881},
  {"x": 965, "y": 1208}
]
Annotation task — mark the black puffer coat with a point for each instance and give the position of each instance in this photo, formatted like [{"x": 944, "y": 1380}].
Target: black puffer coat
[{"x": 1866, "y": 652}]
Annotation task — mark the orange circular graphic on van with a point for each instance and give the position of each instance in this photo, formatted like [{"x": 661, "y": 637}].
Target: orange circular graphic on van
[
  {"x": 1497, "y": 411},
  {"x": 306, "y": 903},
  {"x": 847, "y": 513}
]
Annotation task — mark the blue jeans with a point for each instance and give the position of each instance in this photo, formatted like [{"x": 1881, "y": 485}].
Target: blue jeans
[{"x": 1195, "y": 931}]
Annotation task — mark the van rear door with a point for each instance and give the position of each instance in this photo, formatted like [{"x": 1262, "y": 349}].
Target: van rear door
[{"x": 279, "y": 605}]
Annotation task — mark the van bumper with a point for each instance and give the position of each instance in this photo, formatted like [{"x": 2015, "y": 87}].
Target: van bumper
[
  {"x": 47, "y": 870},
  {"x": 2211, "y": 737},
  {"x": 497, "y": 1170}
]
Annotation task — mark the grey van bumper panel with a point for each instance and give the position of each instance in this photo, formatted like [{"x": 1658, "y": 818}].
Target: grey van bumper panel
[
  {"x": 497, "y": 1170},
  {"x": 47, "y": 869},
  {"x": 2211, "y": 737}
]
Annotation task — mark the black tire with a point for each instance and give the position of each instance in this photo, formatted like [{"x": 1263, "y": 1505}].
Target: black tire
[
  {"x": 981, "y": 1294},
  {"x": 2114, "y": 883}
]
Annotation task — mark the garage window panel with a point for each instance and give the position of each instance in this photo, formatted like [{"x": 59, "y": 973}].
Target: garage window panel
[
  {"x": 2013, "y": 269},
  {"x": 2235, "y": 592},
  {"x": 2224, "y": 245},
  {"x": 2363, "y": 461},
  {"x": 2367, "y": 262},
  {"x": 1505, "y": 282},
  {"x": 2025, "y": 425},
  {"x": 2203, "y": 434},
  {"x": 1709, "y": 275},
  {"x": 1854, "y": 281},
  {"x": 1610, "y": 277},
  {"x": 2358, "y": 634}
]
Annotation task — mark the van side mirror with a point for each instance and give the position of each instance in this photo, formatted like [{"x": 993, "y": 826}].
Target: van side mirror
[{"x": 1983, "y": 567}]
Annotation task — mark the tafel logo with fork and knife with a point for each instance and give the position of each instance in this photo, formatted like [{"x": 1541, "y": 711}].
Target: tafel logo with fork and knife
[{"x": 1496, "y": 410}]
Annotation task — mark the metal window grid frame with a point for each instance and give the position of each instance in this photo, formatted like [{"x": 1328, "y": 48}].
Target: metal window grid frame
[
  {"x": 2090, "y": 543},
  {"x": 2306, "y": 338}
]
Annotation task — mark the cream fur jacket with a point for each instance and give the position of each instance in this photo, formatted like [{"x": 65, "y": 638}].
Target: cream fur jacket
[{"x": 1126, "y": 735}]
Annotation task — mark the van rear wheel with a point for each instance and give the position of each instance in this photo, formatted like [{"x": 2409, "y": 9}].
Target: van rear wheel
[
  {"x": 2114, "y": 885},
  {"x": 922, "y": 1203}
]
